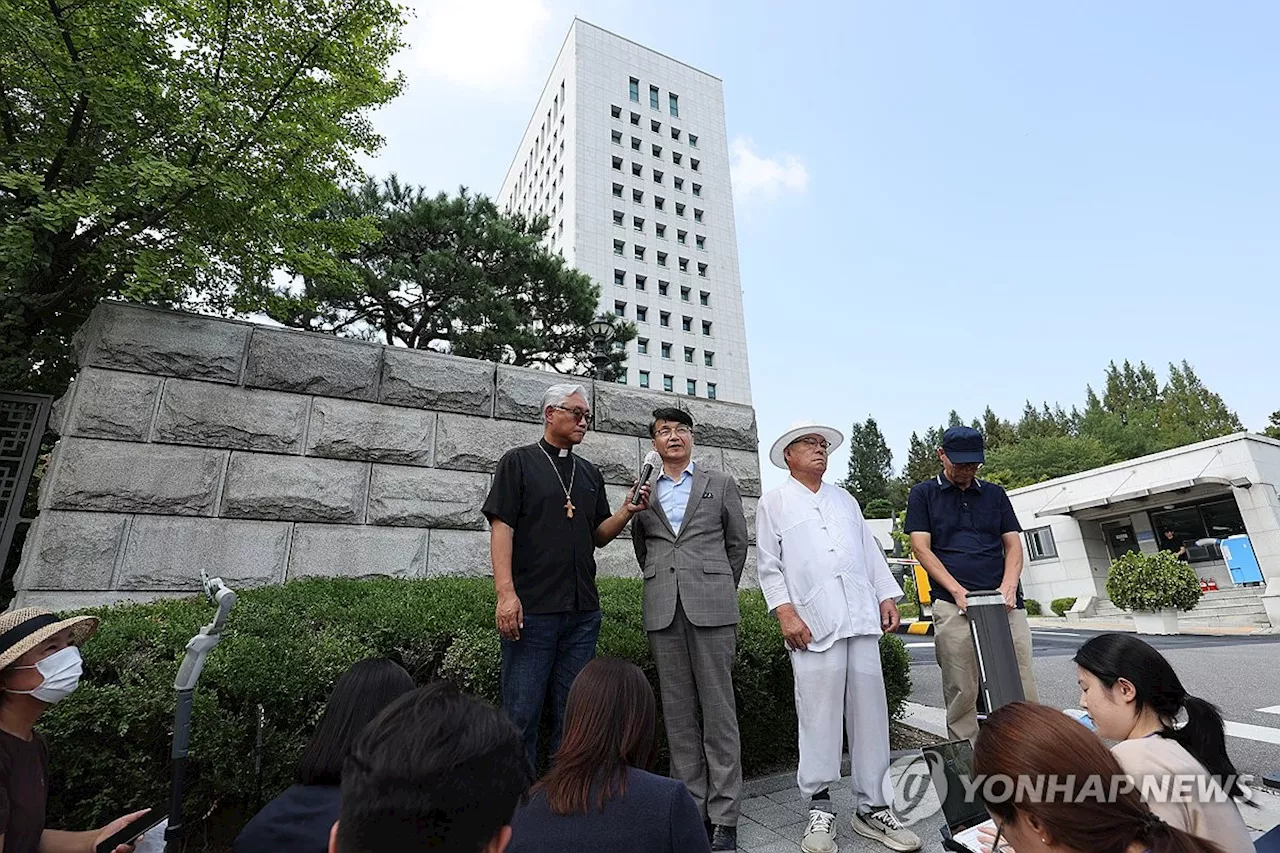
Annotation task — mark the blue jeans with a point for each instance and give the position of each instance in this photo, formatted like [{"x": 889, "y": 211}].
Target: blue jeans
[{"x": 552, "y": 649}]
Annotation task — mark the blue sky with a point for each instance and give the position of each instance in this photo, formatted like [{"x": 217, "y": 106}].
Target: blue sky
[{"x": 939, "y": 206}]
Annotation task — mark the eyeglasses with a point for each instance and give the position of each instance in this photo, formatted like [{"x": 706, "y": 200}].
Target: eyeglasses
[
  {"x": 667, "y": 432},
  {"x": 813, "y": 441},
  {"x": 578, "y": 414}
]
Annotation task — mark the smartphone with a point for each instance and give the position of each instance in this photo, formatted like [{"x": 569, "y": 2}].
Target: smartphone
[{"x": 133, "y": 831}]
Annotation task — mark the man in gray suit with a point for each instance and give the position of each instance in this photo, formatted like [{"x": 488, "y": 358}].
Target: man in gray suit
[{"x": 691, "y": 544}]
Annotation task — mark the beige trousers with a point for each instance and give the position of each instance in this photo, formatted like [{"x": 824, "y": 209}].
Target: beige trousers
[{"x": 953, "y": 646}]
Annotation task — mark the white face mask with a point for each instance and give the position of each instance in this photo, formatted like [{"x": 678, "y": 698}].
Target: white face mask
[{"x": 61, "y": 671}]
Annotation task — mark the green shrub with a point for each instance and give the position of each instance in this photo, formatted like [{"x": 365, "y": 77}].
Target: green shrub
[
  {"x": 284, "y": 648},
  {"x": 1033, "y": 607},
  {"x": 1152, "y": 582},
  {"x": 1060, "y": 606}
]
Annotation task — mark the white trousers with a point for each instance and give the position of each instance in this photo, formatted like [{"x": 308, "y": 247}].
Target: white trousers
[{"x": 838, "y": 690}]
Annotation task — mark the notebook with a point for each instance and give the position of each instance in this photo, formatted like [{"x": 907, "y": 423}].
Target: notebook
[{"x": 965, "y": 818}]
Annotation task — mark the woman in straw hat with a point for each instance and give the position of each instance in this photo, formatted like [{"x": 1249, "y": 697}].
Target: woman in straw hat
[{"x": 39, "y": 666}]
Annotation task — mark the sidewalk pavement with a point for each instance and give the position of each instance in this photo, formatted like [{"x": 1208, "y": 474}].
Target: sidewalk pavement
[
  {"x": 1061, "y": 624},
  {"x": 774, "y": 814}
]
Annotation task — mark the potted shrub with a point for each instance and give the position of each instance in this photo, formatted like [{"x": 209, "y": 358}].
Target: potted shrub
[{"x": 1154, "y": 587}]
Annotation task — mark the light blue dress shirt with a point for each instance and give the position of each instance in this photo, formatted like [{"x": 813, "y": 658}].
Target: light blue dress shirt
[{"x": 674, "y": 496}]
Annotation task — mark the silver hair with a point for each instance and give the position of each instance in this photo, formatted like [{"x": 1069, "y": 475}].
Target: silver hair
[{"x": 556, "y": 395}]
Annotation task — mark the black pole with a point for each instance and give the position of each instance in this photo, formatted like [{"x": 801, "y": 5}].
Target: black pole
[{"x": 181, "y": 742}]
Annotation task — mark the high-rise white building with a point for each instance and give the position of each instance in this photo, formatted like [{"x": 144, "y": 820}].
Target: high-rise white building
[{"x": 628, "y": 157}]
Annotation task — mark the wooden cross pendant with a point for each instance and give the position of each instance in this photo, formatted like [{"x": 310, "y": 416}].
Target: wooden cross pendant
[{"x": 568, "y": 508}]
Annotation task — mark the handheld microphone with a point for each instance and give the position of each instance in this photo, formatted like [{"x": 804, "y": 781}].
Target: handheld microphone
[{"x": 652, "y": 461}]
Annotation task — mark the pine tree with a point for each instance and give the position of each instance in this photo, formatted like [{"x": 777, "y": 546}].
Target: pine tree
[{"x": 870, "y": 464}]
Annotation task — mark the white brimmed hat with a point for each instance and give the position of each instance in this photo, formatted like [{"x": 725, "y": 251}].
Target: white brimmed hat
[
  {"x": 23, "y": 629},
  {"x": 802, "y": 428}
]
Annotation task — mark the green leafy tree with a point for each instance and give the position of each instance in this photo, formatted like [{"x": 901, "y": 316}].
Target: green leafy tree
[
  {"x": 172, "y": 152},
  {"x": 878, "y": 508},
  {"x": 996, "y": 432},
  {"x": 870, "y": 465},
  {"x": 1040, "y": 458},
  {"x": 1189, "y": 412},
  {"x": 1272, "y": 429},
  {"x": 454, "y": 274}
]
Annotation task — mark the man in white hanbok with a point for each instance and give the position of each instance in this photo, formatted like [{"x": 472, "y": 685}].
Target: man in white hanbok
[{"x": 826, "y": 580}]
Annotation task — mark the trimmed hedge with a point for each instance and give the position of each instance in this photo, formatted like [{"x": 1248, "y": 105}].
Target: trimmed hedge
[
  {"x": 1062, "y": 605},
  {"x": 284, "y": 648},
  {"x": 1151, "y": 582},
  {"x": 1033, "y": 607}
]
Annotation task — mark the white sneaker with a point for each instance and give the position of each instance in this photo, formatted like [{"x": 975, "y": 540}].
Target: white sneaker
[
  {"x": 882, "y": 826},
  {"x": 820, "y": 834}
]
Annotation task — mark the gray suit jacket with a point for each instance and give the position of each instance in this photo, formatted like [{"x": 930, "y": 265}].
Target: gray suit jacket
[{"x": 703, "y": 564}]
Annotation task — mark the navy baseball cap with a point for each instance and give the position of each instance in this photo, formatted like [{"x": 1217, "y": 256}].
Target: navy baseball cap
[{"x": 963, "y": 445}]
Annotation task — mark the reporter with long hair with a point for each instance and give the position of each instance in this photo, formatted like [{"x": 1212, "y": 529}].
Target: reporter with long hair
[
  {"x": 1135, "y": 698},
  {"x": 1035, "y": 742},
  {"x": 599, "y": 794}
]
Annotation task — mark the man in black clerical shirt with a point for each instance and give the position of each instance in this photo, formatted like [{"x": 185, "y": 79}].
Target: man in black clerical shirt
[{"x": 548, "y": 512}]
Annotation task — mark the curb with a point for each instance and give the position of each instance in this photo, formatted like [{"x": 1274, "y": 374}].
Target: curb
[
  {"x": 917, "y": 627},
  {"x": 772, "y": 784}
]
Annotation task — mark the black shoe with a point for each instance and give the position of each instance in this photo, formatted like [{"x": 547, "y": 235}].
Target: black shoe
[
  {"x": 711, "y": 830},
  {"x": 725, "y": 838}
]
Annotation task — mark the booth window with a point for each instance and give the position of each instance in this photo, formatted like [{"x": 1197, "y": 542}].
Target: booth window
[
  {"x": 1040, "y": 544},
  {"x": 1211, "y": 520}
]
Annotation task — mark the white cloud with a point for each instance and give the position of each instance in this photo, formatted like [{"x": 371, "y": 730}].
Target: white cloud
[
  {"x": 481, "y": 44},
  {"x": 754, "y": 175}
]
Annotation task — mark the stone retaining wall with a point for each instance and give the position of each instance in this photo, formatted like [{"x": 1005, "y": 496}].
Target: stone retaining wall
[{"x": 264, "y": 454}]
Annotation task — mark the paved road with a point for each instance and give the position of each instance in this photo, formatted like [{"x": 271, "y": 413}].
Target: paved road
[{"x": 1240, "y": 674}]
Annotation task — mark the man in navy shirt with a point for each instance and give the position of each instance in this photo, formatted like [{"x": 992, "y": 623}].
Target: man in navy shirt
[{"x": 965, "y": 534}]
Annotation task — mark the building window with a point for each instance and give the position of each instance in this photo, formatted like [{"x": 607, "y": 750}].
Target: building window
[
  {"x": 662, "y": 287},
  {"x": 701, "y": 241},
  {"x": 639, "y": 253},
  {"x": 706, "y": 327},
  {"x": 1215, "y": 519},
  {"x": 653, "y": 97},
  {"x": 704, "y": 297},
  {"x": 691, "y": 387},
  {"x": 617, "y": 164},
  {"x": 684, "y": 265},
  {"x": 674, "y": 103},
  {"x": 622, "y": 376},
  {"x": 708, "y": 358},
  {"x": 681, "y": 237},
  {"x": 644, "y": 379},
  {"x": 637, "y": 170},
  {"x": 697, "y": 215},
  {"x": 640, "y": 282},
  {"x": 688, "y": 354},
  {"x": 1040, "y": 545},
  {"x": 661, "y": 230},
  {"x": 697, "y": 190},
  {"x": 662, "y": 259},
  {"x": 616, "y": 135},
  {"x": 635, "y": 90},
  {"x": 679, "y": 182},
  {"x": 642, "y": 314},
  {"x": 617, "y": 217},
  {"x": 616, "y": 110},
  {"x": 655, "y": 126},
  {"x": 619, "y": 247},
  {"x": 666, "y": 351},
  {"x": 702, "y": 270},
  {"x": 657, "y": 150},
  {"x": 668, "y": 383},
  {"x": 635, "y": 119},
  {"x": 686, "y": 324},
  {"x": 619, "y": 309},
  {"x": 679, "y": 210},
  {"x": 676, "y": 157},
  {"x": 664, "y": 319},
  {"x": 619, "y": 278},
  {"x": 638, "y": 223},
  {"x": 693, "y": 164},
  {"x": 657, "y": 177},
  {"x": 675, "y": 133},
  {"x": 711, "y": 390},
  {"x": 637, "y": 196},
  {"x": 684, "y": 294},
  {"x": 693, "y": 140},
  {"x": 617, "y": 190},
  {"x": 635, "y": 144},
  {"x": 642, "y": 346}
]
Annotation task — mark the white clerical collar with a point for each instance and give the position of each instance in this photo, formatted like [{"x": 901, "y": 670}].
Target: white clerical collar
[{"x": 549, "y": 447}]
